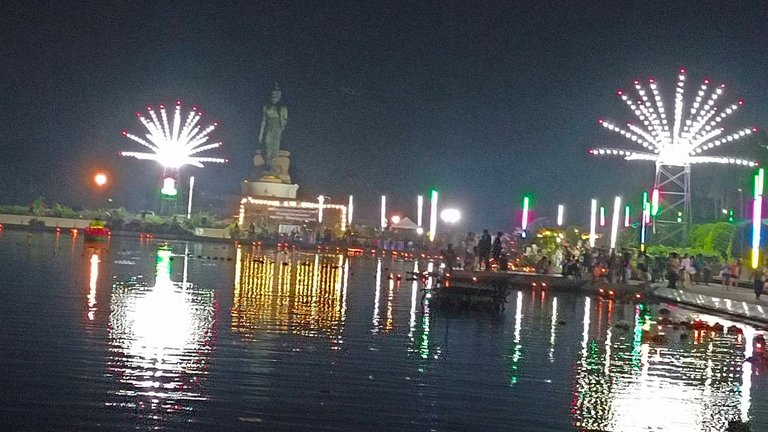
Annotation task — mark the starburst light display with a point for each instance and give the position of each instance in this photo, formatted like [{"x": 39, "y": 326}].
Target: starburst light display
[
  {"x": 174, "y": 144},
  {"x": 681, "y": 140}
]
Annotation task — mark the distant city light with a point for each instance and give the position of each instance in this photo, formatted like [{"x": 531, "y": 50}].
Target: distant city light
[{"x": 172, "y": 143}]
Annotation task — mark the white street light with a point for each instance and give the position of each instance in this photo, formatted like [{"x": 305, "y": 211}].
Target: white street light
[{"x": 450, "y": 216}]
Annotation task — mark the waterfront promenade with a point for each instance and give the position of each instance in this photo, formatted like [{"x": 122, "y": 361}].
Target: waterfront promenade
[{"x": 738, "y": 302}]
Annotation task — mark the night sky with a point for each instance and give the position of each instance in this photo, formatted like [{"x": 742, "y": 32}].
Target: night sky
[{"x": 484, "y": 101}]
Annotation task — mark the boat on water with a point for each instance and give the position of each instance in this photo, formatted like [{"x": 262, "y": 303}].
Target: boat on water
[{"x": 97, "y": 231}]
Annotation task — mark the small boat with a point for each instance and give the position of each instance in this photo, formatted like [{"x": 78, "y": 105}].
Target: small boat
[{"x": 97, "y": 231}]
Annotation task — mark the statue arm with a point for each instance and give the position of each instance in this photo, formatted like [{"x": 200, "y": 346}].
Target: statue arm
[
  {"x": 283, "y": 116},
  {"x": 263, "y": 122}
]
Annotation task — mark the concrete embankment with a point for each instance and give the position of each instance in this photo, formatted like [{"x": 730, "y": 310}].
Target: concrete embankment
[{"x": 737, "y": 302}]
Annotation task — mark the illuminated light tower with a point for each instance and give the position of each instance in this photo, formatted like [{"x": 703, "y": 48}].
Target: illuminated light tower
[
  {"x": 320, "y": 202},
  {"x": 173, "y": 144},
  {"x": 383, "y": 212},
  {"x": 615, "y": 221},
  {"x": 602, "y": 216},
  {"x": 560, "y": 214},
  {"x": 592, "y": 223},
  {"x": 350, "y": 211},
  {"x": 432, "y": 215},
  {"x": 419, "y": 210},
  {"x": 627, "y": 219},
  {"x": 524, "y": 222},
  {"x": 676, "y": 141},
  {"x": 757, "y": 217}
]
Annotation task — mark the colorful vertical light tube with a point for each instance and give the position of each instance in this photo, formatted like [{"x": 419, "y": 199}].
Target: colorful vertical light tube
[
  {"x": 420, "y": 211},
  {"x": 432, "y": 215},
  {"x": 627, "y": 220},
  {"x": 350, "y": 210},
  {"x": 654, "y": 210},
  {"x": 560, "y": 214},
  {"x": 189, "y": 202},
  {"x": 383, "y": 211},
  {"x": 615, "y": 221},
  {"x": 526, "y": 204},
  {"x": 757, "y": 217},
  {"x": 644, "y": 220},
  {"x": 602, "y": 216},
  {"x": 593, "y": 223},
  {"x": 320, "y": 202}
]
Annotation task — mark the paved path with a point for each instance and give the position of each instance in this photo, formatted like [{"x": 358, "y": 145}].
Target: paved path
[{"x": 737, "y": 302}]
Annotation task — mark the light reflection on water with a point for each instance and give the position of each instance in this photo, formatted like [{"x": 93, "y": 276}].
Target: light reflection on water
[
  {"x": 307, "y": 341},
  {"x": 303, "y": 294},
  {"x": 161, "y": 334},
  {"x": 625, "y": 380}
]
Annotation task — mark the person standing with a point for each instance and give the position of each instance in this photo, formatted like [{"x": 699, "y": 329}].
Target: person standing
[
  {"x": 496, "y": 249},
  {"x": 735, "y": 273},
  {"x": 673, "y": 270},
  {"x": 470, "y": 248},
  {"x": 484, "y": 250},
  {"x": 725, "y": 274},
  {"x": 758, "y": 280},
  {"x": 688, "y": 270}
]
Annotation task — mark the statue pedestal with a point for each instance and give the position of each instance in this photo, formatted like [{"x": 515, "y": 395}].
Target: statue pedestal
[
  {"x": 269, "y": 187},
  {"x": 280, "y": 173}
]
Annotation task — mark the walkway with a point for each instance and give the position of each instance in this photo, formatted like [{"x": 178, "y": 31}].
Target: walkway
[{"x": 738, "y": 302}]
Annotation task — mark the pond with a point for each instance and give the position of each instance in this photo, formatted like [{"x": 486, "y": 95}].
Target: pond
[{"x": 137, "y": 334}]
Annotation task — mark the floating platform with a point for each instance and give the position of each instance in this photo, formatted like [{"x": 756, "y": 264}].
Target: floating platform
[
  {"x": 470, "y": 288},
  {"x": 512, "y": 279}
]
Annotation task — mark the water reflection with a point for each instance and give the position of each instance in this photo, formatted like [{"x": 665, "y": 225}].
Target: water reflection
[
  {"x": 645, "y": 376},
  {"x": 161, "y": 336},
  {"x": 295, "y": 292}
]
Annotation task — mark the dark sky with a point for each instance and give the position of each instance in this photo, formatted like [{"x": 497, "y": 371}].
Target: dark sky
[{"x": 483, "y": 100}]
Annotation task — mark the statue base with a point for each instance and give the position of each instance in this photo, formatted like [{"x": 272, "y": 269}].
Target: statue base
[
  {"x": 278, "y": 173},
  {"x": 269, "y": 187}
]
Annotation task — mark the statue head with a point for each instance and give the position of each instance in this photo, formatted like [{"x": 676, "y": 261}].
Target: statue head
[{"x": 276, "y": 94}]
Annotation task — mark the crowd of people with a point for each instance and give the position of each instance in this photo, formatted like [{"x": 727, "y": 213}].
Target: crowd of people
[{"x": 498, "y": 252}]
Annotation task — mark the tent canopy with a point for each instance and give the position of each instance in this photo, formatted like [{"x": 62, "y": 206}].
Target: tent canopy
[{"x": 405, "y": 223}]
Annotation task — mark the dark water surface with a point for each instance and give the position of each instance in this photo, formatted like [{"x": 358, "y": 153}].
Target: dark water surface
[{"x": 129, "y": 337}]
